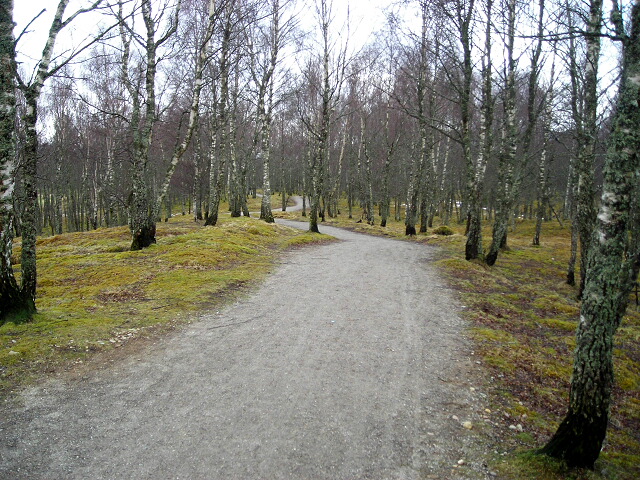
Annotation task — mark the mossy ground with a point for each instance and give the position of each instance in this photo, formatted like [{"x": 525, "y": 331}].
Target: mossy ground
[
  {"x": 95, "y": 295},
  {"x": 523, "y": 320}
]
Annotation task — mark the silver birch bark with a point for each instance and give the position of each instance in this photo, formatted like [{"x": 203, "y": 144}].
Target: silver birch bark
[
  {"x": 385, "y": 207},
  {"x": 417, "y": 166},
  {"x": 464, "y": 14},
  {"x": 367, "y": 189},
  {"x": 264, "y": 110},
  {"x": 572, "y": 181},
  {"x": 108, "y": 186},
  {"x": 142, "y": 209},
  {"x": 542, "y": 195},
  {"x": 221, "y": 122},
  {"x": 473, "y": 247},
  {"x": 201, "y": 58},
  {"x": 322, "y": 137},
  {"x": 509, "y": 146},
  {"x": 334, "y": 194},
  {"x": 14, "y": 304},
  {"x": 614, "y": 260},
  {"x": 587, "y": 138},
  {"x": 511, "y": 171},
  {"x": 32, "y": 92},
  {"x": 542, "y": 191},
  {"x": 236, "y": 192}
]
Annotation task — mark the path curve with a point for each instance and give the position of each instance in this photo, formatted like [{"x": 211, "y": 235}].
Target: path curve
[
  {"x": 348, "y": 362},
  {"x": 297, "y": 206}
]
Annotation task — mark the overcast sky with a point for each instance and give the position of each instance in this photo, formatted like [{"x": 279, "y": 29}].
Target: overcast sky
[{"x": 366, "y": 18}]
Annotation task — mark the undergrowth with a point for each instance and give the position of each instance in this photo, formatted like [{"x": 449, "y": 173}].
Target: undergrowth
[{"x": 95, "y": 295}]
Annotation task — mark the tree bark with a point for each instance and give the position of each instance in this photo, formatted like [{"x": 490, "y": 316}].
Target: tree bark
[
  {"x": 613, "y": 262},
  {"x": 512, "y": 168},
  {"x": 142, "y": 208},
  {"x": 542, "y": 191},
  {"x": 194, "y": 111},
  {"x": 587, "y": 137},
  {"x": 217, "y": 176},
  {"x": 265, "y": 112},
  {"x": 416, "y": 180},
  {"x": 14, "y": 303},
  {"x": 475, "y": 181}
]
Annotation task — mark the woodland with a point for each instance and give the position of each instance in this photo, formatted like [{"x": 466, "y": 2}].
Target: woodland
[{"x": 460, "y": 115}]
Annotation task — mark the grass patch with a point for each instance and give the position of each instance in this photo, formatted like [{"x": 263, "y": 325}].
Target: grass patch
[
  {"x": 95, "y": 295},
  {"x": 443, "y": 230},
  {"x": 525, "y": 318}
]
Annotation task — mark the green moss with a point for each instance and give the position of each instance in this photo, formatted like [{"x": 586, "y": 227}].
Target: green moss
[
  {"x": 560, "y": 325},
  {"x": 627, "y": 372},
  {"x": 555, "y": 304},
  {"x": 494, "y": 335},
  {"x": 539, "y": 467},
  {"x": 93, "y": 294},
  {"x": 443, "y": 230}
]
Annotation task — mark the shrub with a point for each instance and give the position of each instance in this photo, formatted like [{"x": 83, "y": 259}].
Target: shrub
[{"x": 443, "y": 230}]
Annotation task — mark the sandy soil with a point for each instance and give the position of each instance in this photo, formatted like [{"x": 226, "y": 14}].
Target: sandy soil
[{"x": 348, "y": 362}]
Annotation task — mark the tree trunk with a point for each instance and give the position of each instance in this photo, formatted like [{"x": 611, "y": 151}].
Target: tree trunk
[
  {"x": 29, "y": 212},
  {"x": 264, "y": 113},
  {"x": 416, "y": 181},
  {"x": 14, "y": 304},
  {"x": 235, "y": 168},
  {"x": 613, "y": 263},
  {"x": 194, "y": 112},
  {"x": 475, "y": 180},
  {"x": 504, "y": 206},
  {"x": 30, "y": 163},
  {"x": 587, "y": 136},
  {"x": 512, "y": 167},
  {"x": 543, "y": 195},
  {"x": 216, "y": 177},
  {"x": 411, "y": 211},
  {"x": 385, "y": 202}
]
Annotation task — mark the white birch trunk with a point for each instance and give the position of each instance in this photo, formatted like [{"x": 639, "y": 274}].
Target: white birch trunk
[{"x": 202, "y": 56}]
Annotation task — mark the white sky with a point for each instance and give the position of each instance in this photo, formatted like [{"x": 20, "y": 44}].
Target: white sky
[
  {"x": 32, "y": 43},
  {"x": 366, "y": 18}
]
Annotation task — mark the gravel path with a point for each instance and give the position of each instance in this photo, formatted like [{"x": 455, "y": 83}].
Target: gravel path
[{"x": 348, "y": 362}]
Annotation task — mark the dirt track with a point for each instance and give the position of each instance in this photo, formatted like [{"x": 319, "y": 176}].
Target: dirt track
[{"x": 348, "y": 362}]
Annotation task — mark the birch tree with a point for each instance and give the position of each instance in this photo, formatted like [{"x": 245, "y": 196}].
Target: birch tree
[
  {"x": 263, "y": 67},
  {"x": 461, "y": 13},
  {"x": 512, "y": 167},
  {"x": 417, "y": 167},
  {"x": 31, "y": 90},
  {"x": 202, "y": 56},
  {"x": 509, "y": 143},
  {"x": 476, "y": 172},
  {"x": 543, "y": 162},
  {"x": 587, "y": 132},
  {"x": 327, "y": 96},
  {"x": 142, "y": 214},
  {"x": 612, "y": 268},
  {"x": 217, "y": 156},
  {"x": 576, "y": 114},
  {"x": 14, "y": 302}
]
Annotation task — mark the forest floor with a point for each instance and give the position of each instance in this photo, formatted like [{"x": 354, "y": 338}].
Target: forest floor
[
  {"x": 364, "y": 358},
  {"x": 522, "y": 317},
  {"x": 349, "y": 361}
]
